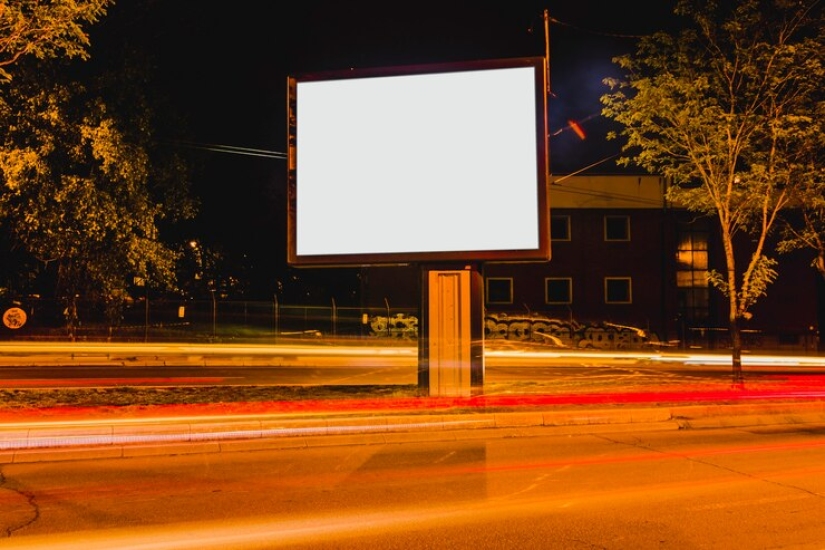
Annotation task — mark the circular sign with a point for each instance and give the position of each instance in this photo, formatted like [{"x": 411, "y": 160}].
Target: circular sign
[{"x": 14, "y": 318}]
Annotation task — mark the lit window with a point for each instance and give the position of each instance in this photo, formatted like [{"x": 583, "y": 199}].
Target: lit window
[
  {"x": 692, "y": 262},
  {"x": 692, "y": 279},
  {"x": 692, "y": 251},
  {"x": 617, "y": 228},
  {"x": 617, "y": 290},
  {"x": 558, "y": 290},
  {"x": 499, "y": 290}
]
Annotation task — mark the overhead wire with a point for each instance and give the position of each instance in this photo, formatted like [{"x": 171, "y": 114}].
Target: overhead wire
[
  {"x": 232, "y": 149},
  {"x": 591, "y": 31}
]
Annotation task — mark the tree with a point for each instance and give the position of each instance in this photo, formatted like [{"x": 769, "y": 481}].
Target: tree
[
  {"x": 805, "y": 228},
  {"x": 45, "y": 29},
  {"x": 725, "y": 109},
  {"x": 85, "y": 186}
]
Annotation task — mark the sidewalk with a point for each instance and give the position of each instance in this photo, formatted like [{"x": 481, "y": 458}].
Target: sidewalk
[{"x": 107, "y": 432}]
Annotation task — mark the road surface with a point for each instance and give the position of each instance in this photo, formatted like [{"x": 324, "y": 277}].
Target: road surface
[
  {"x": 38, "y": 365},
  {"x": 755, "y": 488}
]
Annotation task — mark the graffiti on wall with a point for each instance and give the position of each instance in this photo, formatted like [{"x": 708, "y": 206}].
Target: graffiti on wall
[
  {"x": 566, "y": 333},
  {"x": 398, "y": 326},
  {"x": 542, "y": 330}
]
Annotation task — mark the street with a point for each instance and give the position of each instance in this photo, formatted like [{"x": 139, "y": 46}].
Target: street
[
  {"x": 40, "y": 364},
  {"x": 759, "y": 487}
]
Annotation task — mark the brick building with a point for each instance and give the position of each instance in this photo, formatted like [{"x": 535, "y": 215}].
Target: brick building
[{"x": 628, "y": 269}]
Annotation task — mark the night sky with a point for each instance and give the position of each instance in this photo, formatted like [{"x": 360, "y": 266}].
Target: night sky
[{"x": 224, "y": 66}]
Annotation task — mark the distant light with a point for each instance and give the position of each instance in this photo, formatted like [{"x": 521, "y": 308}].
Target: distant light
[{"x": 576, "y": 127}]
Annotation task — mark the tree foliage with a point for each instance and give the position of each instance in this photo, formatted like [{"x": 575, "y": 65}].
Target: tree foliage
[
  {"x": 726, "y": 110},
  {"x": 804, "y": 227},
  {"x": 85, "y": 186},
  {"x": 45, "y": 29}
]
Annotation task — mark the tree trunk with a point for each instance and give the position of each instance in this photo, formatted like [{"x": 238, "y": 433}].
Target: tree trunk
[
  {"x": 736, "y": 352},
  {"x": 733, "y": 310}
]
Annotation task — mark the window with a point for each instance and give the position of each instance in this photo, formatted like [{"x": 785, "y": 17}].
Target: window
[
  {"x": 617, "y": 290},
  {"x": 692, "y": 251},
  {"x": 558, "y": 290},
  {"x": 693, "y": 303},
  {"x": 499, "y": 290},
  {"x": 692, "y": 270},
  {"x": 559, "y": 228},
  {"x": 617, "y": 228}
]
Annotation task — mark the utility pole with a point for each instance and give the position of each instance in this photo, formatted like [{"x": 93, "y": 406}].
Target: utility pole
[
  {"x": 547, "y": 52},
  {"x": 548, "y": 91}
]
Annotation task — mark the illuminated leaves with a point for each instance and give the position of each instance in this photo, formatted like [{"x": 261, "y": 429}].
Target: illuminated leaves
[
  {"x": 730, "y": 110},
  {"x": 19, "y": 166},
  {"x": 45, "y": 29},
  {"x": 83, "y": 189}
]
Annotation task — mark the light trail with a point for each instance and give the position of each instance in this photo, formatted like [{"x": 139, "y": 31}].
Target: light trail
[
  {"x": 40, "y": 348},
  {"x": 102, "y": 382},
  {"x": 34, "y": 441},
  {"x": 9, "y": 350},
  {"x": 286, "y": 530},
  {"x": 259, "y": 533}
]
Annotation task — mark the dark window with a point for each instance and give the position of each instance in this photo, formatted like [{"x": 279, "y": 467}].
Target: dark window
[
  {"x": 499, "y": 290},
  {"x": 560, "y": 228},
  {"x": 558, "y": 290},
  {"x": 616, "y": 228},
  {"x": 617, "y": 290}
]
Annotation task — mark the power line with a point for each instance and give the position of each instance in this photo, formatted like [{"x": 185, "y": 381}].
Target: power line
[
  {"x": 591, "y": 31},
  {"x": 579, "y": 171},
  {"x": 233, "y": 150}
]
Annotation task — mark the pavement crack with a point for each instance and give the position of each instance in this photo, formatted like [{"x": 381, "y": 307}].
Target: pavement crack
[
  {"x": 754, "y": 477},
  {"x": 637, "y": 444},
  {"x": 26, "y": 514}
]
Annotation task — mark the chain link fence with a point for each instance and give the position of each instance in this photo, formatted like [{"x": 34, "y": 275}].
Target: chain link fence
[
  {"x": 207, "y": 320},
  {"x": 218, "y": 320}
]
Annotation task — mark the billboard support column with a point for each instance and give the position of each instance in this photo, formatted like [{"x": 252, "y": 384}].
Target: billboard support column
[{"x": 451, "y": 339}]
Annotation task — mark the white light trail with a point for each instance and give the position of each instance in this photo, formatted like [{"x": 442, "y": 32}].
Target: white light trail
[{"x": 11, "y": 349}]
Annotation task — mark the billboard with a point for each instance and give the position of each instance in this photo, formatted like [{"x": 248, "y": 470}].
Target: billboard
[{"x": 424, "y": 163}]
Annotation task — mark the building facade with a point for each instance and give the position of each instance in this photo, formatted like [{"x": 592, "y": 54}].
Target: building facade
[{"x": 628, "y": 269}]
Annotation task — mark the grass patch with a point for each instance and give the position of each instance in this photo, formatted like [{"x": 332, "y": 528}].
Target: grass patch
[{"x": 127, "y": 396}]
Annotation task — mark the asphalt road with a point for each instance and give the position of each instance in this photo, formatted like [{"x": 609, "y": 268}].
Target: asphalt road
[
  {"x": 39, "y": 365},
  {"x": 755, "y": 488},
  {"x": 529, "y": 379}
]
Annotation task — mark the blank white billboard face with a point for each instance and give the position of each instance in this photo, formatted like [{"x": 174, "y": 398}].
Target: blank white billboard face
[{"x": 428, "y": 165}]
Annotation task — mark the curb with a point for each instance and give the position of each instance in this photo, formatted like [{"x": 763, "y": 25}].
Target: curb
[{"x": 49, "y": 441}]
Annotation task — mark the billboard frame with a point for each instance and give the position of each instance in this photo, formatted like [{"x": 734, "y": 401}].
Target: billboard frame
[{"x": 540, "y": 253}]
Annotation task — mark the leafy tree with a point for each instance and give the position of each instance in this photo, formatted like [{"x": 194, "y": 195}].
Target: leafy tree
[
  {"x": 85, "y": 187},
  {"x": 45, "y": 29},
  {"x": 725, "y": 108},
  {"x": 805, "y": 227}
]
